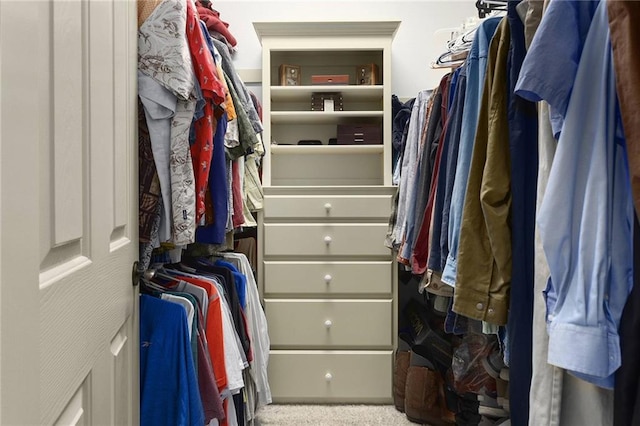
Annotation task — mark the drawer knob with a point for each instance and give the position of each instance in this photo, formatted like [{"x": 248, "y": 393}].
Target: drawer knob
[
  {"x": 328, "y": 377},
  {"x": 328, "y": 239},
  {"x": 328, "y": 278},
  {"x": 328, "y": 323},
  {"x": 327, "y": 206}
]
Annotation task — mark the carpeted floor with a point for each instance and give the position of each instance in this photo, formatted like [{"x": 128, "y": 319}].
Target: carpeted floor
[{"x": 331, "y": 415}]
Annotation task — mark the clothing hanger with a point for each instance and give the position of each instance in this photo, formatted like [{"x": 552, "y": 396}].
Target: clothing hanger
[
  {"x": 149, "y": 287},
  {"x": 446, "y": 60},
  {"x": 460, "y": 43},
  {"x": 463, "y": 41}
]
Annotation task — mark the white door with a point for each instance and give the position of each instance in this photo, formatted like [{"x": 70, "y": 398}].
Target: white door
[{"x": 68, "y": 201}]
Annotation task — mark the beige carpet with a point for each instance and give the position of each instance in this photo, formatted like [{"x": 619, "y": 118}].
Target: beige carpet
[{"x": 331, "y": 415}]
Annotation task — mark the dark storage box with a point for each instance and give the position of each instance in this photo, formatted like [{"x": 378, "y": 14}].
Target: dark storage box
[
  {"x": 359, "y": 134},
  {"x": 318, "y": 101}
]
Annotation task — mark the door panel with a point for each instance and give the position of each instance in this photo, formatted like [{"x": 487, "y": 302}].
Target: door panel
[
  {"x": 68, "y": 329},
  {"x": 63, "y": 194},
  {"x": 66, "y": 93},
  {"x": 77, "y": 411}
]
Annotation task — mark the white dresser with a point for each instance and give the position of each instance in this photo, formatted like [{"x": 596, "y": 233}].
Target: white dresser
[{"x": 327, "y": 280}]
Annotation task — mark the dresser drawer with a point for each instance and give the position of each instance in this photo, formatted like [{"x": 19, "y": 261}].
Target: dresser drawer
[
  {"x": 324, "y": 239},
  {"x": 331, "y": 376},
  {"x": 327, "y": 206},
  {"x": 308, "y": 323},
  {"x": 328, "y": 278}
]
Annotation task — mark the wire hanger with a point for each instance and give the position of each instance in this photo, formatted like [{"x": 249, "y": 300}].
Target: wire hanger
[{"x": 446, "y": 60}]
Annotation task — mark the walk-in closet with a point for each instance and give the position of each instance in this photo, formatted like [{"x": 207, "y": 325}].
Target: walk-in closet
[{"x": 325, "y": 213}]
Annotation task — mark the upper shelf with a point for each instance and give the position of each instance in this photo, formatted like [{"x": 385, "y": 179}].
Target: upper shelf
[
  {"x": 319, "y": 117},
  {"x": 327, "y": 149},
  {"x": 351, "y": 93}
]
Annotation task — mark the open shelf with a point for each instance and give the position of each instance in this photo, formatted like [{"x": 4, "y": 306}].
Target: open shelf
[
  {"x": 326, "y": 149},
  {"x": 350, "y": 93},
  {"x": 320, "y": 117}
]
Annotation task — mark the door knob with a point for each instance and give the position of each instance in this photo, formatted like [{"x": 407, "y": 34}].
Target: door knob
[
  {"x": 328, "y": 239},
  {"x": 328, "y": 323},
  {"x": 135, "y": 274},
  {"x": 328, "y": 278},
  {"x": 327, "y": 206},
  {"x": 328, "y": 377}
]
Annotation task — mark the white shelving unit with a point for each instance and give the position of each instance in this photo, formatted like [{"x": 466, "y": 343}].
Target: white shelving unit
[{"x": 327, "y": 280}]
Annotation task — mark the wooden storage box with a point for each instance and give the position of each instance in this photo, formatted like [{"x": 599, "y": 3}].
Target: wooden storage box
[
  {"x": 330, "y": 79},
  {"x": 367, "y": 74},
  {"x": 289, "y": 75},
  {"x": 359, "y": 134}
]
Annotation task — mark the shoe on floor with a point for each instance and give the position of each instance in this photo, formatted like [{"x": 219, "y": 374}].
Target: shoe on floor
[
  {"x": 425, "y": 400},
  {"x": 494, "y": 363},
  {"x": 469, "y": 374},
  {"x": 489, "y": 407},
  {"x": 487, "y": 421},
  {"x": 401, "y": 367},
  {"x": 504, "y": 374}
]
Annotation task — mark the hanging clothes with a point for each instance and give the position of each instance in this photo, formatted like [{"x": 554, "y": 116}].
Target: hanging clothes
[
  {"x": 230, "y": 376},
  {"x": 484, "y": 261},
  {"x": 600, "y": 201},
  {"x": 476, "y": 65},
  {"x": 214, "y": 95},
  {"x": 556, "y": 397}
]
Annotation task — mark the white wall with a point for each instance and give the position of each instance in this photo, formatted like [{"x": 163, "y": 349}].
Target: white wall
[{"x": 418, "y": 42}]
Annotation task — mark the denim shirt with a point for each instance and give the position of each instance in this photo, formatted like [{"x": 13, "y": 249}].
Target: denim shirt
[
  {"x": 439, "y": 237},
  {"x": 476, "y": 68},
  {"x": 410, "y": 160},
  {"x": 586, "y": 221}
]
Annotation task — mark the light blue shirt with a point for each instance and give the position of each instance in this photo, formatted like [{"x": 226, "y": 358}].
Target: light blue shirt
[
  {"x": 586, "y": 221},
  {"x": 549, "y": 69},
  {"x": 476, "y": 65}
]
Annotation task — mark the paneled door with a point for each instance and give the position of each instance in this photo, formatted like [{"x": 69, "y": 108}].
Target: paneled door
[{"x": 68, "y": 201}]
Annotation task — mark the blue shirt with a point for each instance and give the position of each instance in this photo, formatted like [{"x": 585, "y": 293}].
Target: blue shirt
[
  {"x": 476, "y": 66},
  {"x": 240, "y": 281},
  {"x": 586, "y": 221},
  {"x": 169, "y": 393},
  {"x": 549, "y": 69}
]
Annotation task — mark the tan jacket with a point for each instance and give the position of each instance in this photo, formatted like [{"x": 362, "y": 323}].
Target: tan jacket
[
  {"x": 625, "y": 42},
  {"x": 484, "y": 260}
]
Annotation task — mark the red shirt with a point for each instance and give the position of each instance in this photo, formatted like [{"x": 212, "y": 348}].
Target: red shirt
[{"x": 214, "y": 94}]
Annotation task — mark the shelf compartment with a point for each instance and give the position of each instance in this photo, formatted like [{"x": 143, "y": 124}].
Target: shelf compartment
[
  {"x": 355, "y": 98},
  {"x": 350, "y": 93},
  {"x": 324, "y": 61},
  {"x": 326, "y": 149},
  {"x": 320, "y": 117}
]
